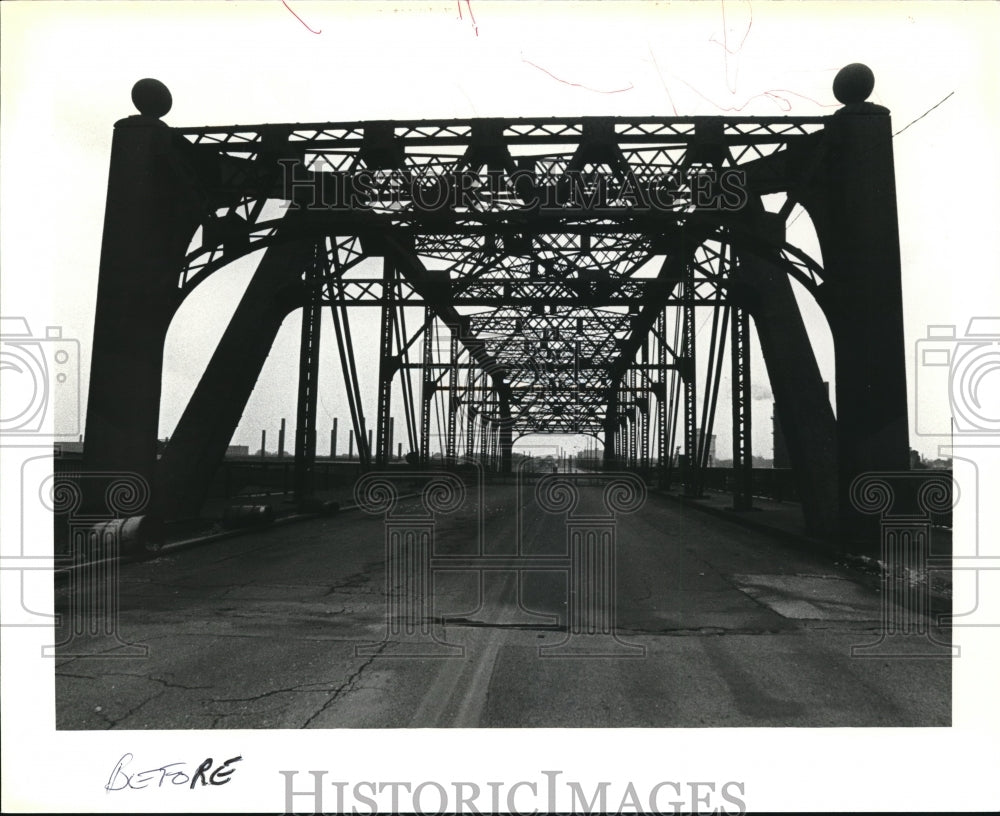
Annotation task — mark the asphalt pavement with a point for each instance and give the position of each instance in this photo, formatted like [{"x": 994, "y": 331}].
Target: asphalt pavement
[{"x": 289, "y": 627}]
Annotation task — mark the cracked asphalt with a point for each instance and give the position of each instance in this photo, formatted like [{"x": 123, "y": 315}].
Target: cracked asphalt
[{"x": 717, "y": 625}]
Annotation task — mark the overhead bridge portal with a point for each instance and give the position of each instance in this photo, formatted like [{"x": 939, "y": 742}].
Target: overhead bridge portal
[{"x": 559, "y": 267}]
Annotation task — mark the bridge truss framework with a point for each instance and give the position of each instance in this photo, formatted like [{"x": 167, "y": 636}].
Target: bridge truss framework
[{"x": 537, "y": 276}]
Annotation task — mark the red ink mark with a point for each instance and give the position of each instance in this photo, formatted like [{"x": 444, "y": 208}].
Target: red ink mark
[
  {"x": 774, "y": 95},
  {"x": 576, "y": 84},
  {"x": 727, "y": 51},
  {"x": 662, "y": 80},
  {"x": 730, "y": 48},
  {"x": 725, "y": 30},
  {"x": 296, "y": 16},
  {"x": 472, "y": 17}
]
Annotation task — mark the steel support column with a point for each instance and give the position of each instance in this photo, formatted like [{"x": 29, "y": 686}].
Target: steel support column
[
  {"x": 345, "y": 349},
  {"x": 150, "y": 215},
  {"x": 633, "y": 425},
  {"x": 807, "y": 418},
  {"x": 506, "y": 436},
  {"x": 198, "y": 443},
  {"x": 742, "y": 417},
  {"x": 611, "y": 430},
  {"x": 692, "y": 480},
  {"x": 388, "y": 365},
  {"x": 470, "y": 416},
  {"x": 857, "y": 226},
  {"x": 305, "y": 420},
  {"x": 662, "y": 441},
  {"x": 645, "y": 405},
  {"x": 428, "y": 388},
  {"x": 452, "y": 405}
]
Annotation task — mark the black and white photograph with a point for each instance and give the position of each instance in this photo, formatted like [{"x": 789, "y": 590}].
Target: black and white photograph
[{"x": 525, "y": 406}]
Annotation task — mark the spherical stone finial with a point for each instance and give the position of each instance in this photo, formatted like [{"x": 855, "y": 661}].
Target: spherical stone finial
[
  {"x": 151, "y": 97},
  {"x": 853, "y": 83}
]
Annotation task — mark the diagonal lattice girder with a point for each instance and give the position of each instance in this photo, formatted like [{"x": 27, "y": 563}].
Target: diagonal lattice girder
[
  {"x": 564, "y": 230},
  {"x": 502, "y": 215},
  {"x": 478, "y": 187},
  {"x": 562, "y": 258}
]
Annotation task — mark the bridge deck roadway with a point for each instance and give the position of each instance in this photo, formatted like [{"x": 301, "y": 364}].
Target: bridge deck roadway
[{"x": 260, "y": 632}]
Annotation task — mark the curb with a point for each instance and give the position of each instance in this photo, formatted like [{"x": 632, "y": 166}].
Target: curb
[
  {"x": 746, "y": 519},
  {"x": 280, "y": 521},
  {"x": 188, "y": 543}
]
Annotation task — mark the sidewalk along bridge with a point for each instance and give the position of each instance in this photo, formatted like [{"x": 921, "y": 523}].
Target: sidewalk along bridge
[{"x": 536, "y": 276}]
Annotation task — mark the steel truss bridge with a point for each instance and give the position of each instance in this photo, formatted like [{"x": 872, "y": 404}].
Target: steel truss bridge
[{"x": 556, "y": 268}]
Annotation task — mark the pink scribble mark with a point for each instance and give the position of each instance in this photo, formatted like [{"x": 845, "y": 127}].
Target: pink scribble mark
[
  {"x": 472, "y": 17},
  {"x": 575, "y": 84},
  {"x": 774, "y": 95},
  {"x": 663, "y": 82},
  {"x": 732, "y": 78},
  {"x": 296, "y": 16},
  {"x": 779, "y": 96}
]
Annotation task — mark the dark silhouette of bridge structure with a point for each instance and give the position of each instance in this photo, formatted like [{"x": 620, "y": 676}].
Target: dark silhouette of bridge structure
[{"x": 557, "y": 266}]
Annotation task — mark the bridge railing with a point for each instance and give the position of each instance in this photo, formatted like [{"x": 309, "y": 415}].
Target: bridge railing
[
  {"x": 277, "y": 475},
  {"x": 777, "y": 484},
  {"x": 244, "y": 476},
  {"x": 780, "y": 484}
]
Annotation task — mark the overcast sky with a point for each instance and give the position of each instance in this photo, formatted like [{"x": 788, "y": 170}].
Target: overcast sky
[{"x": 68, "y": 70}]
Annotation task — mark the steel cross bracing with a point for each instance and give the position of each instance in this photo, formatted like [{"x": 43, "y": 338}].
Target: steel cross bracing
[
  {"x": 531, "y": 246},
  {"x": 558, "y": 363},
  {"x": 530, "y": 275},
  {"x": 491, "y": 176}
]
